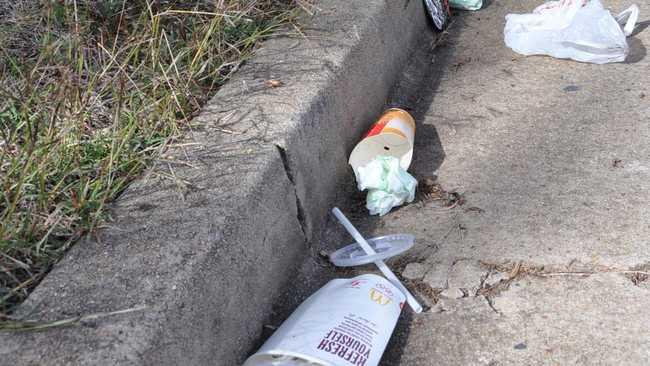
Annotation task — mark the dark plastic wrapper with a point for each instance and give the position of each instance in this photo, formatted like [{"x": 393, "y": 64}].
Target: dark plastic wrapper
[{"x": 439, "y": 12}]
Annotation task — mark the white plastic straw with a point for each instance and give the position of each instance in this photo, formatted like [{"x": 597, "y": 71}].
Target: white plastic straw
[{"x": 413, "y": 303}]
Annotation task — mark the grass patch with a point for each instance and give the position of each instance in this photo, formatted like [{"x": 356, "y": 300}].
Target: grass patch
[{"x": 90, "y": 92}]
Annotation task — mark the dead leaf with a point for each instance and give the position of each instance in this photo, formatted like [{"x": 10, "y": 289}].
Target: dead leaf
[
  {"x": 475, "y": 209},
  {"x": 515, "y": 270},
  {"x": 274, "y": 83}
]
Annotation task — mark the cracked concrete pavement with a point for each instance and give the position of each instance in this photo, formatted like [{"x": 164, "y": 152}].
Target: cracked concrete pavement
[{"x": 544, "y": 259}]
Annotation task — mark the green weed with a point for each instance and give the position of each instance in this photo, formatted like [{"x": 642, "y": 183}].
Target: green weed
[{"x": 90, "y": 92}]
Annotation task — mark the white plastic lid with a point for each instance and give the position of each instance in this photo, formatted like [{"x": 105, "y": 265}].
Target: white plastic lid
[{"x": 385, "y": 246}]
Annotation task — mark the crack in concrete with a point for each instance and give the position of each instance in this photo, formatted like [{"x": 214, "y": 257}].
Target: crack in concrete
[
  {"x": 518, "y": 270},
  {"x": 574, "y": 268},
  {"x": 491, "y": 305},
  {"x": 497, "y": 277},
  {"x": 302, "y": 219}
]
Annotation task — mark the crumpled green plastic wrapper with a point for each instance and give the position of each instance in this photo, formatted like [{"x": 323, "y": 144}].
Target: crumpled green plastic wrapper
[
  {"x": 466, "y": 4},
  {"x": 387, "y": 183}
]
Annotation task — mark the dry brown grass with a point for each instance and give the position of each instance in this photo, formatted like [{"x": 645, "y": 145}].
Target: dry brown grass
[{"x": 91, "y": 91}]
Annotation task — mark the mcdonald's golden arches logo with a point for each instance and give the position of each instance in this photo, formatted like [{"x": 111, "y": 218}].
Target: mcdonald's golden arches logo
[{"x": 379, "y": 297}]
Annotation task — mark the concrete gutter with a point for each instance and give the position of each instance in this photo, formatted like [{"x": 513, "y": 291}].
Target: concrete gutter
[{"x": 207, "y": 240}]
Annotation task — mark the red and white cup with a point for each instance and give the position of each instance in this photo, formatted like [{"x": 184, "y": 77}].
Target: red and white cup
[{"x": 392, "y": 135}]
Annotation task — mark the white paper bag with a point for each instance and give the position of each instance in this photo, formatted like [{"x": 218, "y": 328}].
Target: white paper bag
[{"x": 347, "y": 322}]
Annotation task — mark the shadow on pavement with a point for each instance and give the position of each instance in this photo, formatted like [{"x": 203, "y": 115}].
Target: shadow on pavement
[
  {"x": 414, "y": 92},
  {"x": 637, "y": 50}
]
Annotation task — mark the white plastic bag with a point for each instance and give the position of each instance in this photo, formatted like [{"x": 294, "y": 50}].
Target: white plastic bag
[{"x": 581, "y": 30}]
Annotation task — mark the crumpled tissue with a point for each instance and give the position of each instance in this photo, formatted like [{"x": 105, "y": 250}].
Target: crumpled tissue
[{"x": 387, "y": 183}]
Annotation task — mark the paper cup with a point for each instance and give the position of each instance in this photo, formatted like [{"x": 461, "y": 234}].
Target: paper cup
[
  {"x": 346, "y": 322},
  {"x": 392, "y": 135}
]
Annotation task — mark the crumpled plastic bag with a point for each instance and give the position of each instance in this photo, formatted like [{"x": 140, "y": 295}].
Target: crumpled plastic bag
[
  {"x": 581, "y": 30},
  {"x": 387, "y": 183},
  {"x": 466, "y": 4}
]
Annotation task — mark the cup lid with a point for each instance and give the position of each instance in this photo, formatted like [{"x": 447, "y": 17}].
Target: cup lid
[{"x": 385, "y": 246}]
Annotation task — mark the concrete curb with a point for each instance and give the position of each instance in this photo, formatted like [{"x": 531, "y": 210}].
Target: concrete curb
[{"x": 210, "y": 236}]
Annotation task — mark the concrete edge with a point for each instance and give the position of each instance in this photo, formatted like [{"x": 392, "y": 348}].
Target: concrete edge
[{"x": 204, "y": 243}]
